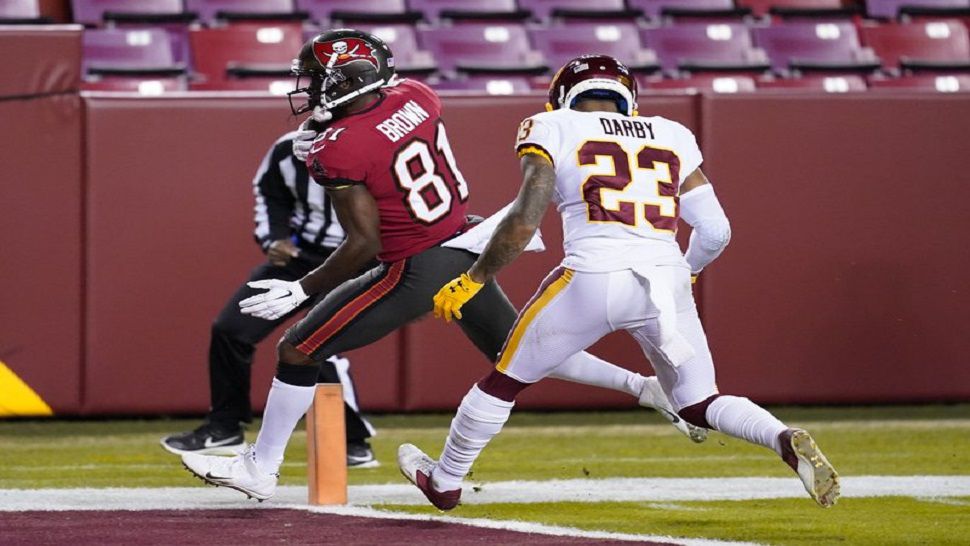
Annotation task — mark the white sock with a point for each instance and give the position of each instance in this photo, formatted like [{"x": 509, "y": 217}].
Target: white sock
[
  {"x": 480, "y": 417},
  {"x": 284, "y": 408},
  {"x": 586, "y": 369},
  {"x": 742, "y": 418}
]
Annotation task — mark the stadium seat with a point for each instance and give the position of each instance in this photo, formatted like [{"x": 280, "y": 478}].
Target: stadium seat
[
  {"x": 279, "y": 84},
  {"x": 799, "y": 8},
  {"x": 489, "y": 85},
  {"x": 707, "y": 9},
  {"x": 708, "y": 83},
  {"x": 705, "y": 47},
  {"x": 409, "y": 58},
  {"x": 463, "y": 10},
  {"x": 936, "y": 45},
  {"x": 583, "y": 9},
  {"x": 559, "y": 44},
  {"x": 245, "y": 10},
  {"x": 846, "y": 83},
  {"x": 94, "y": 12},
  {"x": 810, "y": 46},
  {"x": 140, "y": 85},
  {"x": 21, "y": 12},
  {"x": 500, "y": 47},
  {"x": 128, "y": 52},
  {"x": 374, "y": 11},
  {"x": 951, "y": 83},
  {"x": 249, "y": 50},
  {"x": 888, "y": 9}
]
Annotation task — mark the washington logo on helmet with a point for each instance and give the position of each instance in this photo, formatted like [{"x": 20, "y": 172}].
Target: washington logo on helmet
[{"x": 342, "y": 52}]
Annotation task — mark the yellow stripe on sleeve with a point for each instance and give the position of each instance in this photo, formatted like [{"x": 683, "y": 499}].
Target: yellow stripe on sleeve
[
  {"x": 537, "y": 151},
  {"x": 528, "y": 315}
]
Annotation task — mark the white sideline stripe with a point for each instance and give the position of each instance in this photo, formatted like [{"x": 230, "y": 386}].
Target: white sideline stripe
[{"x": 529, "y": 492}]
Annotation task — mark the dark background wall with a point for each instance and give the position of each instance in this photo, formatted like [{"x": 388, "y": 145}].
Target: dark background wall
[{"x": 127, "y": 222}]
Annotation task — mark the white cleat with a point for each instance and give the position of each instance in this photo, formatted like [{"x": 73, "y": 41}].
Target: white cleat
[
  {"x": 239, "y": 473},
  {"x": 806, "y": 459},
  {"x": 417, "y": 467},
  {"x": 653, "y": 396}
]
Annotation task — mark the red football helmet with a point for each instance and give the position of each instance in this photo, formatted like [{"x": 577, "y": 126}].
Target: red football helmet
[{"x": 594, "y": 76}]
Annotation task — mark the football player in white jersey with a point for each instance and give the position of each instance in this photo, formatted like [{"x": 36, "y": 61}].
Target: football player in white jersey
[{"x": 620, "y": 182}]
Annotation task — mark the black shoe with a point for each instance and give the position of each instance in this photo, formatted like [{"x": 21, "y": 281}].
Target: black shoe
[
  {"x": 208, "y": 439},
  {"x": 360, "y": 455}
]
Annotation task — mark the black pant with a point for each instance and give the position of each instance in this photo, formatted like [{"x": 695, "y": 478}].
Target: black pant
[
  {"x": 363, "y": 310},
  {"x": 233, "y": 343}
]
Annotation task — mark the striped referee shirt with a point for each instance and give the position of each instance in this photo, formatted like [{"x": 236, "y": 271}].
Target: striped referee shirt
[{"x": 289, "y": 206}]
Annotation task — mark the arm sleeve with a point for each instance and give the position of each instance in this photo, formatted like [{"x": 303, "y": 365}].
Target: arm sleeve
[
  {"x": 333, "y": 165},
  {"x": 274, "y": 201},
  {"x": 711, "y": 229},
  {"x": 538, "y": 135}
]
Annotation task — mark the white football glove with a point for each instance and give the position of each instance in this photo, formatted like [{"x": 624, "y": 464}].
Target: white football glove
[
  {"x": 305, "y": 135},
  {"x": 280, "y": 298}
]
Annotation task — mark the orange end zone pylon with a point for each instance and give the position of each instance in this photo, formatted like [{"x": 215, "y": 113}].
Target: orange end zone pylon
[{"x": 326, "y": 442}]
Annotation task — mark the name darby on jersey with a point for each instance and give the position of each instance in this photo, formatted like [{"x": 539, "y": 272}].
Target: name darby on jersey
[
  {"x": 403, "y": 121},
  {"x": 627, "y": 127}
]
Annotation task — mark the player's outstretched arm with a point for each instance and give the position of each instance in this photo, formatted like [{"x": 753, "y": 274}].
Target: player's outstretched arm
[
  {"x": 357, "y": 212},
  {"x": 511, "y": 236},
  {"x": 517, "y": 228}
]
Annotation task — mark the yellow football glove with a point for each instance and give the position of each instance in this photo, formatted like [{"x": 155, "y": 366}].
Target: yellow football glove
[{"x": 448, "y": 300}]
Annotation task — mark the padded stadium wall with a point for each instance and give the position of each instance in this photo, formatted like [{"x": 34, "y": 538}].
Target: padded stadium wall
[{"x": 126, "y": 222}]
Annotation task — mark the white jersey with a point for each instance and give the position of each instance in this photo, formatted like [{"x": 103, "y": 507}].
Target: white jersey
[{"x": 617, "y": 184}]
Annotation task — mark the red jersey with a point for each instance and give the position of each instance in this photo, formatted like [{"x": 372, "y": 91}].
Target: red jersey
[{"x": 399, "y": 150}]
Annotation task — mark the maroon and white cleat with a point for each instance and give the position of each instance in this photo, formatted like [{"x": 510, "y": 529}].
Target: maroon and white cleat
[
  {"x": 417, "y": 467},
  {"x": 819, "y": 477}
]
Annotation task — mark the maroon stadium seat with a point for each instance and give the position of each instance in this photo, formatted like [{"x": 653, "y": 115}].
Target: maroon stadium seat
[
  {"x": 490, "y": 85},
  {"x": 21, "y": 12},
  {"x": 260, "y": 50},
  {"x": 846, "y": 83},
  {"x": 888, "y": 9},
  {"x": 93, "y": 12},
  {"x": 688, "y": 8},
  {"x": 409, "y": 58},
  {"x": 950, "y": 83},
  {"x": 128, "y": 52},
  {"x": 712, "y": 83},
  {"x": 819, "y": 46},
  {"x": 142, "y": 85},
  {"x": 500, "y": 47},
  {"x": 817, "y": 8},
  {"x": 357, "y": 10},
  {"x": 705, "y": 46},
  {"x": 465, "y": 10},
  {"x": 931, "y": 44},
  {"x": 211, "y": 10},
  {"x": 546, "y": 9},
  {"x": 559, "y": 44}
]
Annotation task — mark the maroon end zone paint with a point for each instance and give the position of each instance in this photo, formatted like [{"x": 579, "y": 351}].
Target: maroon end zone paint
[{"x": 256, "y": 526}]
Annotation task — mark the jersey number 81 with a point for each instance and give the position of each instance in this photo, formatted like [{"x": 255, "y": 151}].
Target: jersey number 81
[{"x": 427, "y": 195}]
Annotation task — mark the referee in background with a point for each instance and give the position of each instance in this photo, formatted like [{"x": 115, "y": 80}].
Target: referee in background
[{"x": 297, "y": 228}]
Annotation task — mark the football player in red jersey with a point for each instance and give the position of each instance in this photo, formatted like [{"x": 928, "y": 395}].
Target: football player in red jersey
[{"x": 387, "y": 165}]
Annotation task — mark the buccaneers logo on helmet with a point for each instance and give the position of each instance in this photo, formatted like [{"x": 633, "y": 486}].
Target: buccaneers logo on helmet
[{"x": 335, "y": 54}]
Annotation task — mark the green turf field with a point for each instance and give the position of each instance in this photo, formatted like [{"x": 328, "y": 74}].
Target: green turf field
[{"x": 896, "y": 441}]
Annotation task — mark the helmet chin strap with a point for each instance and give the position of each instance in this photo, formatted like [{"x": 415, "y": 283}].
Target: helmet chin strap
[{"x": 350, "y": 96}]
